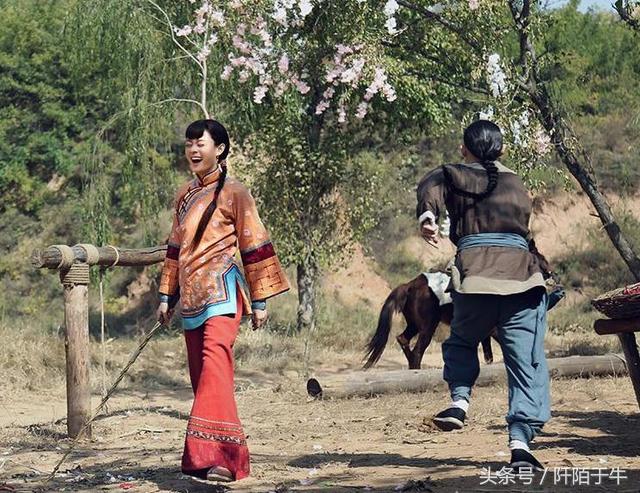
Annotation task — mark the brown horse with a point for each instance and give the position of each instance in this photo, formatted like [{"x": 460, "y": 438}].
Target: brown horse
[{"x": 422, "y": 312}]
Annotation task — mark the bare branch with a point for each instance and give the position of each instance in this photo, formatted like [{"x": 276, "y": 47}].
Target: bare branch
[{"x": 173, "y": 36}]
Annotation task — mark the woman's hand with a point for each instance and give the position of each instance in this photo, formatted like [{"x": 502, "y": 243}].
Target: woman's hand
[
  {"x": 429, "y": 232},
  {"x": 163, "y": 313},
  {"x": 258, "y": 318}
]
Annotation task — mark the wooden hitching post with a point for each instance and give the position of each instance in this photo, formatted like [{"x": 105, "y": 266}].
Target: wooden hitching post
[{"x": 75, "y": 281}]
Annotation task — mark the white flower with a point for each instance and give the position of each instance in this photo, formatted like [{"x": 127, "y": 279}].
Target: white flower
[
  {"x": 474, "y": 4},
  {"x": 361, "y": 111},
  {"x": 280, "y": 15},
  {"x": 226, "y": 72},
  {"x": 259, "y": 93},
  {"x": 204, "y": 53},
  {"x": 496, "y": 77},
  {"x": 391, "y": 25},
  {"x": 486, "y": 114},
  {"x": 342, "y": 115},
  {"x": 305, "y": 7},
  {"x": 517, "y": 127},
  {"x": 391, "y": 8}
]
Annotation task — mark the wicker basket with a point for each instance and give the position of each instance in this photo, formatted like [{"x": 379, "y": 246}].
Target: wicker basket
[{"x": 619, "y": 303}]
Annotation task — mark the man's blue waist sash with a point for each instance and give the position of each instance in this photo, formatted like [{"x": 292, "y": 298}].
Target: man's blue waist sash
[{"x": 512, "y": 240}]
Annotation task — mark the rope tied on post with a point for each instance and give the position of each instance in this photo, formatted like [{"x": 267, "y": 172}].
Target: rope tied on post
[
  {"x": 76, "y": 273},
  {"x": 93, "y": 255},
  {"x": 68, "y": 257},
  {"x": 117, "y": 255}
]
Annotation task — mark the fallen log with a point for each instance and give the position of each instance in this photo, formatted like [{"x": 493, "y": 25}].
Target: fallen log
[{"x": 369, "y": 383}]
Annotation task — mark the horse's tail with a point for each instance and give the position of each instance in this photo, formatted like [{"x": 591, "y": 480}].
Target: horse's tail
[{"x": 394, "y": 303}]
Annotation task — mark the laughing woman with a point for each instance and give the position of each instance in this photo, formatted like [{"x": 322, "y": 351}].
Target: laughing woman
[{"x": 214, "y": 216}]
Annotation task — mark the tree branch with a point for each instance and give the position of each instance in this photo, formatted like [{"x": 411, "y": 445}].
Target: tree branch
[
  {"x": 443, "y": 22},
  {"x": 626, "y": 10},
  {"x": 173, "y": 36}
]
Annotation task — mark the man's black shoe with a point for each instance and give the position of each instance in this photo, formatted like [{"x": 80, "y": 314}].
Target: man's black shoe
[
  {"x": 450, "y": 419},
  {"x": 523, "y": 460}
]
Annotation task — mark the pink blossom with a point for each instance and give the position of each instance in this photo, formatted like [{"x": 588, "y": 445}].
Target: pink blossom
[
  {"x": 259, "y": 93},
  {"x": 301, "y": 86},
  {"x": 542, "y": 142},
  {"x": 217, "y": 16},
  {"x": 226, "y": 72},
  {"x": 204, "y": 53},
  {"x": 322, "y": 107},
  {"x": 328, "y": 93},
  {"x": 185, "y": 31},
  {"x": 281, "y": 87},
  {"x": 474, "y": 4},
  {"x": 283, "y": 64}
]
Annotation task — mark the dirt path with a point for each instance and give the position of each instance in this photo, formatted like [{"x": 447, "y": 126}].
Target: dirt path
[{"x": 377, "y": 444}]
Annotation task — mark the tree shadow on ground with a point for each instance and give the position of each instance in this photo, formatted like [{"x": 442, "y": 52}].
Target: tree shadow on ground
[
  {"x": 620, "y": 433},
  {"x": 468, "y": 476}
]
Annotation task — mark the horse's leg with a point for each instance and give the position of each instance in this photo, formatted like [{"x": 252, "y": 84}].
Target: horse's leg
[
  {"x": 424, "y": 339},
  {"x": 487, "y": 351},
  {"x": 409, "y": 333},
  {"x": 404, "y": 339}
]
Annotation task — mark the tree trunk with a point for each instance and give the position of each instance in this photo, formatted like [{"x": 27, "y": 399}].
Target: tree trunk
[
  {"x": 561, "y": 135},
  {"x": 307, "y": 274},
  {"x": 577, "y": 161}
]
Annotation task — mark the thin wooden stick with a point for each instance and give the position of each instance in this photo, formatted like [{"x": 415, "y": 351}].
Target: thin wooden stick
[
  {"x": 102, "y": 344},
  {"x": 132, "y": 360}
]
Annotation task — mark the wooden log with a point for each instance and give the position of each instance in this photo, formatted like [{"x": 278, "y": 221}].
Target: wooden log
[
  {"x": 51, "y": 257},
  {"x": 76, "y": 321},
  {"x": 606, "y": 326},
  {"x": 368, "y": 383},
  {"x": 630, "y": 348}
]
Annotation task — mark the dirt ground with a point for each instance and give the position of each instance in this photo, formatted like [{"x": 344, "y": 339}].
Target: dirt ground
[{"x": 377, "y": 444}]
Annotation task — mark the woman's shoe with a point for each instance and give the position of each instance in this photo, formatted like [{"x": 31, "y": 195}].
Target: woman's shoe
[{"x": 219, "y": 474}]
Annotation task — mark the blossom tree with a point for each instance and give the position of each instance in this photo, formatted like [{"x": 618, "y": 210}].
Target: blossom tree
[
  {"x": 629, "y": 12},
  {"x": 295, "y": 81}
]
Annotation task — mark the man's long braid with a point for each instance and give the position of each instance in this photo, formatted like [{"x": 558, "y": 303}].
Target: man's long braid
[{"x": 492, "y": 182}]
